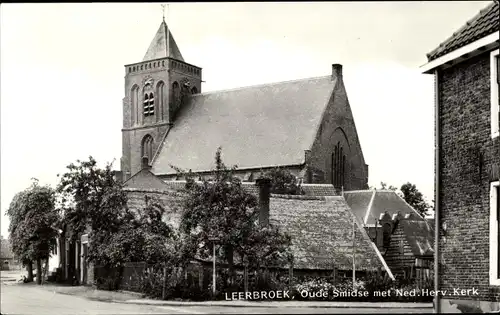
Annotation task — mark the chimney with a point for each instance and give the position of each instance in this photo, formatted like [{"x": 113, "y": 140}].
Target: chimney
[
  {"x": 264, "y": 195},
  {"x": 336, "y": 71},
  {"x": 145, "y": 163}
]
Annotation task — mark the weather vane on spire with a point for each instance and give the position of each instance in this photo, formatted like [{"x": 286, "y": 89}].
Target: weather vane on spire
[
  {"x": 163, "y": 11},
  {"x": 163, "y": 6}
]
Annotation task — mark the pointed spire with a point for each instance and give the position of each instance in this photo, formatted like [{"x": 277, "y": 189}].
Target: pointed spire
[{"x": 159, "y": 47}]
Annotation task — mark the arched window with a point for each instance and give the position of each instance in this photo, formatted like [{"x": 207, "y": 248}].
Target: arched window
[
  {"x": 145, "y": 104},
  {"x": 338, "y": 166},
  {"x": 149, "y": 104},
  {"x": 194, "y": 90},
  {"x": 160, "y": 97},
  {"x": 134, "y": 102},
  {"x": 147, "y": 148}
]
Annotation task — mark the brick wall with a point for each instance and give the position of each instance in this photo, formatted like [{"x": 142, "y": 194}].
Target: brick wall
[
  {"x": 135, "y": 126},
  {"x": 132, "y": 146},
  {"x": 399, "y": 257},
  {"x": 338, "y": 126},
  {"x": 465, "y": 140},
  {"x": 245, "y": 175}
]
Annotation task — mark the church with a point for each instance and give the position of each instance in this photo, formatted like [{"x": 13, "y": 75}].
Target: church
[{"x": 305, "y": 126}]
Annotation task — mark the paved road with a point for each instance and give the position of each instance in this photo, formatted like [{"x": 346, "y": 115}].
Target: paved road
[{"x": 27, "y": 300}]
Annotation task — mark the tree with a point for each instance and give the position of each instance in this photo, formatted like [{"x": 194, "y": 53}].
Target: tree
[
  {"x": 383, "y": 186},
  {"x": 141, "y": 238},
  {"x": 221, "y": 209},
  {"x": 5, "y": 248},
  {"x": 415, "y": 198},
  {"x": 283, "y": 182},
  {"x": 91, "y": 198},
  {"x": 32, "y": 217}
]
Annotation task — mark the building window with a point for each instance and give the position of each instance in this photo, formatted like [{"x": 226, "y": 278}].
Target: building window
[
  {"x": 147, "y": 148},
  {"x": 160, "y": 97},
  {"x": 134, "y": 97},
  {"x": 495, "y": 94},
  {"x": 54, "y": 250},
  {"x": 149, "y": 104},
  {"x": 494, "y": 233},
  {"x": 338, "y": 166}
]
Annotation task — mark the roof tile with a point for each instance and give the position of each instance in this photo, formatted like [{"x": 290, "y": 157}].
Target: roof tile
[
  {"x": 259, "y": 126},
  {"x": 482, "y": 24},
  {"x": 321, "y": 231},
  {"x": 383, "y": 201},
  {"x": 158, "y": 47},
  {"x": 320, "y": 226},
  {"x": 420, "y": 236}
]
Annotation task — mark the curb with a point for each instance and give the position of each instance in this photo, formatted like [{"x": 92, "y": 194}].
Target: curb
[{"x": 274, "y": 305}]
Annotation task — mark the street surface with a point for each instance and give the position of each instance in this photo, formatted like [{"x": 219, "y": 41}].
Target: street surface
[{"x": 29, "y": 299}]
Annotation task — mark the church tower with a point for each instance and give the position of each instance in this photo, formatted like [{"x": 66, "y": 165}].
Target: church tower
[{"x": 155, "y": 89}]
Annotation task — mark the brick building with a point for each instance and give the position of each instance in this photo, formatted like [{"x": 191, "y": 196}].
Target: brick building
[
  {"x": 408, "y": 250},
  {"x": 465, "y": 68},
  {"x": 400, "y": 233},
  {"x": 304, "y": 125}
]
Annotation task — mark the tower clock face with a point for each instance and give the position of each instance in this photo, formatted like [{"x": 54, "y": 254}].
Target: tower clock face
[
  {"x": 185, "y": 82},
  {"x": 147, "y": 81}
]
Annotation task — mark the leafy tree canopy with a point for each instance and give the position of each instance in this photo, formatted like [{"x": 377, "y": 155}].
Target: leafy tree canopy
[
  {"x": 411, "y": 195},
  {"x": 220, "y": 209},
  {"x": 32, "y": 217},
  {"x": 384, "y": 186},
  {"x": 283, "y": 182},
  {"x": 415, "y": 199},
  {"x": 91, "y": 198}
]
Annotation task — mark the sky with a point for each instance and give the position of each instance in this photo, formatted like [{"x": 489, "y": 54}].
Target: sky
[{"x": 62, "y": 73}]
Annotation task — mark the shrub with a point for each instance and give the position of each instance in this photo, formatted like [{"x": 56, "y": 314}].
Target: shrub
[
  {"x": 317, "y": 289},
  {"x": 150, "y": 283},
  {"x": 108, "y": 279},
  {"x": 378, "y": 282},
  {"x": 283, "y": 182}
]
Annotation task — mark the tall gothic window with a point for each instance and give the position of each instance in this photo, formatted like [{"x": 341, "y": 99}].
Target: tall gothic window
[
  {"x": 160, "y": 98},
  {"x": 147, "y": 148},
  {"x": 149, "y": 104},
  {"x": 134, "y": 96},
  {"x": 338, "y": 166}
]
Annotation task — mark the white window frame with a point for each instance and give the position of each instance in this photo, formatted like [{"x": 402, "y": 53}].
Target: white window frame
[
  {"x": 494, "y": 278},
  {"x": 495, "y": 129}
]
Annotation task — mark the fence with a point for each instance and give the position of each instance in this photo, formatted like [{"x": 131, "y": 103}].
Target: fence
[
  {"x": 195, "y": 282},
  {"x": 198, "y": 276}
]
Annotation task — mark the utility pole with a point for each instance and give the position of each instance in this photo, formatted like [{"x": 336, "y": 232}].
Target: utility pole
[
  {"x": 214, "y": 273},
  {"x": 353, "y": 253}
]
